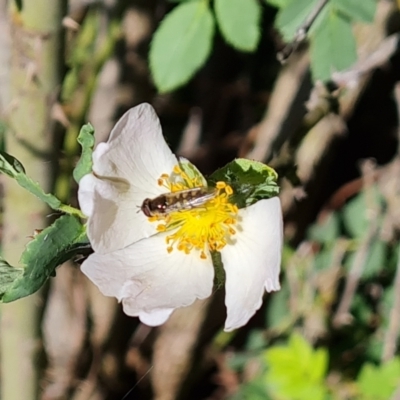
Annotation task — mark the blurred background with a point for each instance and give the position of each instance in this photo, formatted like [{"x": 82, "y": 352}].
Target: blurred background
[{"x": 332, "y": 332}]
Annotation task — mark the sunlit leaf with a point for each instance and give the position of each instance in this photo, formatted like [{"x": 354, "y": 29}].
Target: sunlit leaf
[
  {"x": 86, "y": 140},
  {"x": 10, "y": 166},
  {"x": 332, "y": 47},
  {"x": 292, "y": 16},
  {"x": 239, "y": 21},
  {"x": 181, "y": 44},
  {"x": 251, "y": 181},
  {"x": 50, "y": 248},
  {"x": 8, "y": 275},
  {"x": 379, "y": 382},
  {"x": 357, "y": 10},
  {"x": 297, "y": 371},
  {"x": 14, "y": 169}
]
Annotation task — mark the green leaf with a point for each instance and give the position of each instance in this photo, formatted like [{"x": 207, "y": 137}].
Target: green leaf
[
  {"x": 251, "y": 181},
  {"x": 327, "y": 231},
  {"x": 332, "y": 46},
  {"x": 10, "y": 166},
  {"x": 357, "y": 10},
  {"x": 239, "y": 21},
  {"x": 278, "y": 314},
  {"x": 86, "y": 140},
  {"x": 297, "y": 371},
  {"x": 181, "y": 44},
  {"x": 8, "y": 275},
  {"x": 253, "y": 390},
  {"x": 379, "y": 382},
  {"x": 355, "y": 213},
  {"x": 278, "y": 3},
  {"x": 375, "y": 261},
  {"x": 50, "y": 248},
  {"x": 14, "y": 169},
  {"x": 292, "y": 16}
]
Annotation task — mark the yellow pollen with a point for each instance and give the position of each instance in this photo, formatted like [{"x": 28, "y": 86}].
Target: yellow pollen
[
  {"x": 203, "y": 228},
  {"x": 160, "y": 181}
]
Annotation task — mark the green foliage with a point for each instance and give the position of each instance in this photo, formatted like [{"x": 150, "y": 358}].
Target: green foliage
[
  {"x": 14, "y": 169},
  {"x": 363, "y": 11},
  {"x": 8, "y": 275},
  {"x": 251, "y": 181},
  {"x": 327, "y": 231},
  {"x": 278, "y": 3},
  {"x": 332, "y": 42},
  {"x": 278, "y": 312},
  {"x": 379, "y": 382},
  {"x": 292, "y": 15},
  {"x": 297, "y": 371},
  {"x": 10, "y": 166},
  {"x": 375, "y": 260},
  {"x": 332, "y": 45},
  {"x": 50, "y": 248},
  {"x": 252, "y": 391},
  {"x": 181, "y": 44},
  {"x": 239, "y": 21},
  {"x": 355, "y": 214},
  {"x": 86, "y": 140}
]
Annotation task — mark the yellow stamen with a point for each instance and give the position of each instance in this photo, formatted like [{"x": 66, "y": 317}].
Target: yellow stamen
[{"x": 201, "y": 229}]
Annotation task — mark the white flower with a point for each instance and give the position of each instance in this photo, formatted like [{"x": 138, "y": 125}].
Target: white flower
[{"x": 158, "y": 263}]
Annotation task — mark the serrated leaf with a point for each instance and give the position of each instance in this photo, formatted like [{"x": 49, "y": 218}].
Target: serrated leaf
[
  {"x": 357, "y": 10},
  {"x": 85, "y": 163},
  {"x": 10, "y": 166},
  {"x": 379, "y": 382},
  {"x": 8, "y": 275},
  {"x": 181, "y": 44},
  {"x": 14, "y": 169},
  {"x": 251, "y": 181},
  {"x": 239, "y": 21},
  {"x": 332, "y": 46},
  {"x": 297, "y": 371},
  {"x": 292, "y": 16},
  {"x": 50, "y": 248}
]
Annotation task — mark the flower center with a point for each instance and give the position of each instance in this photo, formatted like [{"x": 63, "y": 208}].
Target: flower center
[{"x": 201, "y": 218}]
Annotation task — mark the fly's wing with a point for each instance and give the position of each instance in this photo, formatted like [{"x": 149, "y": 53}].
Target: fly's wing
[{"x": 201, "y": 199}]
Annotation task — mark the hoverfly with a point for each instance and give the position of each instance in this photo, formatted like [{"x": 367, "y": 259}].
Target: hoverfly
[{"x": 177, "y": 201}]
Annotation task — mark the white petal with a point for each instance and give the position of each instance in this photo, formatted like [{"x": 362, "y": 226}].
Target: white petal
[
  {"x": 86, "y": 194},
  {"x": 155, "y": 318},
  {"x": 252, "y": 262},
  {"x": 126, "y": 170},
  {"x": 147, "y": 279},
  {"x": 115, "y": 218},
  {"x": 136, "y": 151}
]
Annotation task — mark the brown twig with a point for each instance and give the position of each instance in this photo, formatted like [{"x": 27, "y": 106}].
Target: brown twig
[
  {"x": 342, "y": 315},
  {"x": 301, "y": 32},
  {"x": 392, "y": 333}
]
